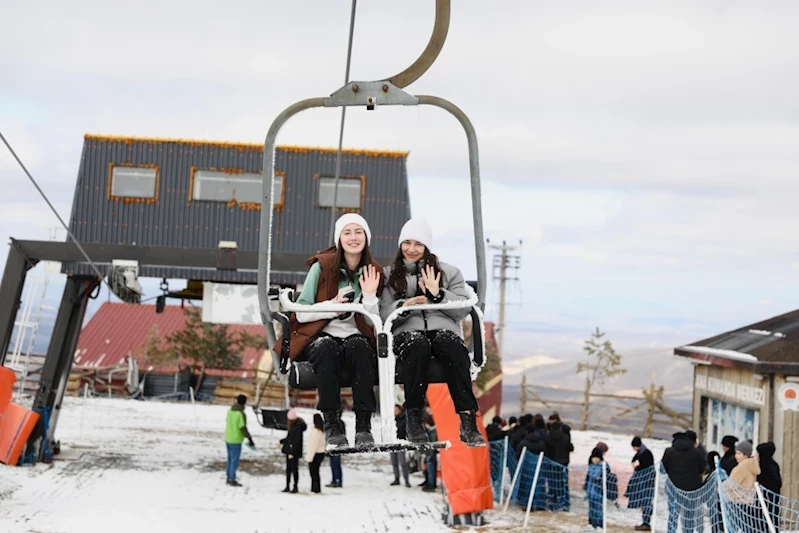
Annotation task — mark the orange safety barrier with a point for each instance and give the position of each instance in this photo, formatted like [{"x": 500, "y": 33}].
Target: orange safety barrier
[
  {"x": 7, "y": 379},
  {"x": 16, "y": 422},
  {"x": 15, "y": 428},
  {"x": 465, "y": 471}
]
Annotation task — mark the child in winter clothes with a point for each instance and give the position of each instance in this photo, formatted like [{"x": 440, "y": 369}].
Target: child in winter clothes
[
  {"x": 641, "y": 487},
  {"x": 315, "y": 452},
  {"x": 432, "y": 456},
  {"x": 292, "y": 448},
  {"x": 593, "y": 488},
  {"x": 417, "y": 277},
  {"x": 399, "y": 461},
  {"x": 335, "y": 342}
]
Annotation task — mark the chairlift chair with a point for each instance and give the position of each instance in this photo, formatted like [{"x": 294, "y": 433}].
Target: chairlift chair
[{"x": 299, "y": 374}]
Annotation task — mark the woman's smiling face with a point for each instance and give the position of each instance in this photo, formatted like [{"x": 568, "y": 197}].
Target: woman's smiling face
[
  {"x": 412, "y": 250},
  {"x": 353, "y": 239}
]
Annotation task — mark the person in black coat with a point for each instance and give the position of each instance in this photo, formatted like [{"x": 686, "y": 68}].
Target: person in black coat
[
  {"x": 711, "y": 462},
  {"x": 518, "y": 433},
  {"x": 684, "y": 465},
  {"x": 691, "y": 434},
  {"x": 641, "y": 488},
  {"x": 728, "y": 461},
  {"x": 494, "y": 429},
  {"x": 534, "y": 443},
  {"x": 558, "y": 449},
  {"x": 399, "y": 460},
  {"x": 292, "y": 448},
  {"x": 559, "y": 446},
  {"x": 770, "y": 479}
]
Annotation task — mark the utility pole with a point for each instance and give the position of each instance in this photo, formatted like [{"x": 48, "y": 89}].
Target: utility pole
[
  {"x": 504, "y": 263},
  {"x": 523, "y": 397}
]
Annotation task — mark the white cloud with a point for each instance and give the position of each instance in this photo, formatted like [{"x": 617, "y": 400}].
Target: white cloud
[{"x": 645, "y": 154}]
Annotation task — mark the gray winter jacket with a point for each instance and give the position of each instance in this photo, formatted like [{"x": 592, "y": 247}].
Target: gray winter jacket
[{"x": 452, "y": 284}]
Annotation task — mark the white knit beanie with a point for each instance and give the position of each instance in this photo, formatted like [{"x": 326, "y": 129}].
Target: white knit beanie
[
  {"x": 352, "y": 218},
  {"x": 417, "y": 229}
]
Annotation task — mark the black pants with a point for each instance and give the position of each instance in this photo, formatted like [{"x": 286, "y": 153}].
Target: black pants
[
  {"x": 292, "y": 468},
  {"x": 330, "y": 356},
  {"x": 316, "y": 484},
  {"x": 414, "y": 350}
]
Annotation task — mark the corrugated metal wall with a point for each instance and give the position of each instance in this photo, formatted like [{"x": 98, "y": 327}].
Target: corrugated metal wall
[
  {"x": 176, "y": 220},
  {"x": 161, "y": 384},
  {"x": 208, "y": 386}
]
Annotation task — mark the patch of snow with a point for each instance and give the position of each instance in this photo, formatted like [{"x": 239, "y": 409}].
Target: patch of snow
[
  {"x": 760, "y": 332},
  {"x": 142, "y": 463},
  {"x": 517, "y": 366}
]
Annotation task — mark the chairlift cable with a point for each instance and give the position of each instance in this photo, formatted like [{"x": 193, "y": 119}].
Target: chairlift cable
[
  {"x": 341, "y": 129},
  {"x": 53, "y": 209}
]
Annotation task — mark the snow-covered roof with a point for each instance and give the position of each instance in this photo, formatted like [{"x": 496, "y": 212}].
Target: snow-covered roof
[
  {"x": 728, "y": 354},
  {"x": 771, "y": 345}
]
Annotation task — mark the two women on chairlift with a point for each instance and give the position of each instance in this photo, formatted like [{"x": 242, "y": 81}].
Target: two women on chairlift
[{"x": 337, "y": 343}]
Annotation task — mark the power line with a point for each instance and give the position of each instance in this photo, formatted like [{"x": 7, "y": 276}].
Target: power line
[{"x": 53, "y": 209}]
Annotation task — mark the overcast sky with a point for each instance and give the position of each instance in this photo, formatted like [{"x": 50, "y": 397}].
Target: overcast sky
[{"x": 645, "y": 152}]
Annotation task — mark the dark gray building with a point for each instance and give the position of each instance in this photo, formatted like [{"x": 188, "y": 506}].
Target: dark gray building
[{"x": 194, "y": 194}]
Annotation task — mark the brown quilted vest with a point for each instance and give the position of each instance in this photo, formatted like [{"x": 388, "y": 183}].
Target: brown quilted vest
[{"x": 303, "y": 333}]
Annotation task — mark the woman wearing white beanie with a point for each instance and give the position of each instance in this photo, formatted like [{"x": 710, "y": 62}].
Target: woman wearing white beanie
[
  {"x": 417, "y": 277},
  {"x": 336, "y": 342}
]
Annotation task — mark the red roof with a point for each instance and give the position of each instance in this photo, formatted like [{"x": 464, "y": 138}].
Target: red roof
[
  {"x": 490, "y": 339},
  {"x": 118, "y": 330}
]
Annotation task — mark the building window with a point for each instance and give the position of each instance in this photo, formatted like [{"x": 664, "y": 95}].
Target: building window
[
  {"x": 719, "y": 418},
  {"x": 350, "y": 191},
  {"x": 227, "y": 186},
  {"x": 134, "y": 182}
]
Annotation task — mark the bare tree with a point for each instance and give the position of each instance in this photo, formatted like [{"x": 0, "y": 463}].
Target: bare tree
[{"x": 603, "y": 363}]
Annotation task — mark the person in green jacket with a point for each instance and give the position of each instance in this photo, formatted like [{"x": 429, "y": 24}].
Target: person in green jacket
[{"x": 235, "y": 433}]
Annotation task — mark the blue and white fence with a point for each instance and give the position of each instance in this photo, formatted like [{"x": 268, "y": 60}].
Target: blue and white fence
[{"x": 535, "y": 483}]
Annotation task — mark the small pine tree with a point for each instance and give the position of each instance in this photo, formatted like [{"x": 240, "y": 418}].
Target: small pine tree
[
  {"x": 153, "y": 350},
  {"x": 199, "y": 344},
  {"x": 604, "y": 363},
  {"x": 205, "y": 344}
]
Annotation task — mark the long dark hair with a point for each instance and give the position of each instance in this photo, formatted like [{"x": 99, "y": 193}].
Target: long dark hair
[
  {"x": 397, "y": 280},
  {"x": 366, "y": 259},
  {"x": 318, "y": 422}
]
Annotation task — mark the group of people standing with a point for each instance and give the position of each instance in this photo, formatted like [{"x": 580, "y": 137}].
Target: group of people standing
[{"x": 688, "y": 467}]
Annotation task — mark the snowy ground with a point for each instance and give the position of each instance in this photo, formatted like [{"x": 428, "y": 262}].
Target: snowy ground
[{"x": 147, "y": 466}]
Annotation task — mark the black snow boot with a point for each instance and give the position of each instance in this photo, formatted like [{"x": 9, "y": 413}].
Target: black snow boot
[
  {"x": 469, "y": 432},
  {"x": 363, "y": 429},
  {"x": 334, "y": 431},
  {"x": 414, "y": 427}
]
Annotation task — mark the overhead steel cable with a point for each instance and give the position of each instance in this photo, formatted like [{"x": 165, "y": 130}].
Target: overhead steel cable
[
  {"x": 53, "y": 209},
  {"x": 341, "y": 129}
]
